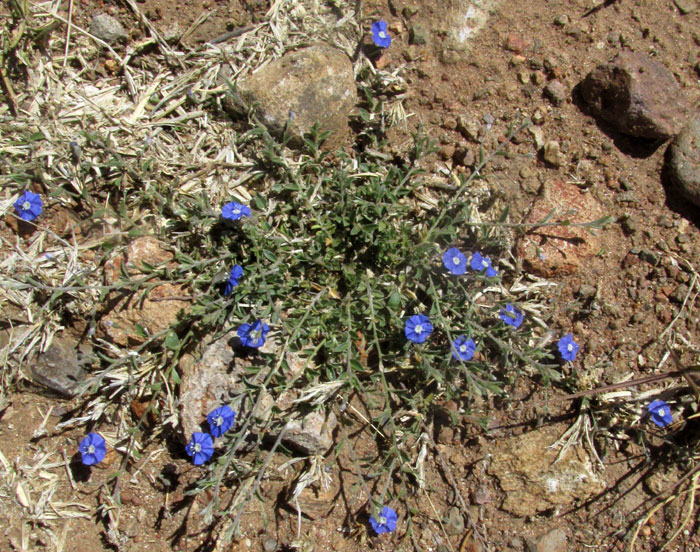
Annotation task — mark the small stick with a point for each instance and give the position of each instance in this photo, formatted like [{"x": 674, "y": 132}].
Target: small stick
[
  {"x": 68, "y": 29},
  {"x": 68, "y": 472}
]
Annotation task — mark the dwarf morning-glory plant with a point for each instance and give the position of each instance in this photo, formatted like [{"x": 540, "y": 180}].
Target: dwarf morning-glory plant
[
  {"x": 660, "y": 413},
  {"x": 385, "y": 522},
  {"x": 480, "y": 263},
  {"x": 454, "y": 261},
  {"x": 236, "y": 274},
  {"x": 511, "y": 316},
  {"x": 418, "y": 328},
  {"x": 92, "y": 449},
  {"x": 253, "y": 335},
  {"x": 200, "y": 448},
  {"x": 568, "y": 347},
  {"x": 29, "y": 206},
  {"x": 221, "y": 420},
  {"x": 234, "y": 211},
  {"x": 380, "y": 36},
  {"x": 463, "y": 348}
]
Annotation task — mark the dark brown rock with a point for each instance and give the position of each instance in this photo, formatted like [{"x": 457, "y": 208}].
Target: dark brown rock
[
  {"x": 684, "y": 161},
  {"x": 637, "y": 95}
]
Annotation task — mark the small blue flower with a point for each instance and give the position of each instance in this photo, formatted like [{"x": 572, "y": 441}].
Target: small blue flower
[
  {"x": 418, "y": 328},
  {"x": 660, "y": 413},
  {"x": 29, "y": 206},
  {"x": 220, "y": 420},
  {"x": 454, "y": 261},
  {"x": 511, "y": 316},
  {"x": 463, "y": 348},
  {"x": 386, "y": 523},
  {"x": 253, "y": 335},
  {"x": 200, "y": 447},
  {"x": 379, "y": 35},
  {"x": 235, "y": 210},
  {"x": 92, "y": 449},
  {"x": 480, "y": 263},
  {"x": 568, "y": 347},
  {"x": 236, "y": 273}
]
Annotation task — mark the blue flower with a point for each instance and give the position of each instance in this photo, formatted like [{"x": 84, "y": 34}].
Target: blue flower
[
  {"x": 511, "y": 316},
  {"x": 454, "y": 261},
  {"x": 568, "y": 347},
  {"x": 92, "y": 449},
  {"x": 29, "y": 206},
  {"x": 660, "y": 413},
  {"x": 418, "y": 328},
  {"x": 253, "y": 335},
  {"x": 463, "y": 348},
  {"x": 200, "y": 447},
  {"x": 386, "y": 523},
  {"x": 236, "y": 273},
  {"x": 234, "y": 211},
  {"x": 220, "y": 420},
  {"x": 379, "y": 35},
  {"x": 480, "y": 263}
]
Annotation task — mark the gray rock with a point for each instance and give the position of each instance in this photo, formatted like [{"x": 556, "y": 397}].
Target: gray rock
[
  {"x": 637, "y": 95},
  {"x": 685, "y": 6},
  {"x": 270, "y": 545},
  {"x": 312, "y": 85},
  {"x": 106, "y": 28},
  {"x": 554, "y": 541},
  {"x": 59, "y": 368},
  {"x": 684, "y": 161},
  {"x": 312, "y": 434},
  {"x": 418, "y": 35},
  {"x": 556, "y": 92},
  {"x": 455, "y": 522}
]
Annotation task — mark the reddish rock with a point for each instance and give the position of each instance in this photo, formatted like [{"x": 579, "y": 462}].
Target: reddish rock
[
  {"x": 637, "y": 95},
  {"x": 557, "y": 250},
  {"x": 146, "y": 249},
  {"x": 515, "y": 43}
]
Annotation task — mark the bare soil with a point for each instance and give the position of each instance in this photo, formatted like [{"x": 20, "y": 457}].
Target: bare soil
[{"x": 640, "y": 279}]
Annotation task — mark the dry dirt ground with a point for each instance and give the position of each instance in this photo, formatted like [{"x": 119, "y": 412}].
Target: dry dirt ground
[{"x": 619, "y": 303}]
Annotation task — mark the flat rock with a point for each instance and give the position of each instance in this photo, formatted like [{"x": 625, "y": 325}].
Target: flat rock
[
  {"x": 311, "y": 434},
  {"x": 554, "y": 541},
  {"x": 684, "y": 161},
  {"x": 207, "y": 382},
  {"x": 106, "y": 28},
  {"x": 637, "y": 95},
  {"x": 317, "y": 499},
  {"x": 312, "y": 85},
  {"x": 560, "y": 250},
  {"x": 59, "y": 368},
  {"x": 534, "y": 482},
  {"x": 127, "y": 311}
]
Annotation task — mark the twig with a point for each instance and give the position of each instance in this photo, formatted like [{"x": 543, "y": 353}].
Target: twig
[{"x": 68, "y": 30}]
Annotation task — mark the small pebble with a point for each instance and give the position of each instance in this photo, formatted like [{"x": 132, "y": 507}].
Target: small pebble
[
  {"x": 561, "y": 20},
  {"x": 270, "y": 545}
]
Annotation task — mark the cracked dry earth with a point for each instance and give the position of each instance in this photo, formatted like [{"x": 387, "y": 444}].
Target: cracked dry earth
[{"x": 628, "y": 294}]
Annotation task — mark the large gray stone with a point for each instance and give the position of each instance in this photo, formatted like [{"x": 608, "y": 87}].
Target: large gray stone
[
  {"x": 684, "y": 161},
  {"x": 312, "y": 85},
  {"x": 637, "y": 95},
  {"x": 59, "y": 367},
  {"x": 106, "y": 28}
]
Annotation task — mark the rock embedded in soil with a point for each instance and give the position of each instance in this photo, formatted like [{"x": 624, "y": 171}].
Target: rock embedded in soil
[
  {"x": 554, "y": 541},
  {"x": 556, "y": 92},
  {"x": 684, "y": 161},
  {"x": 127, "y": 311},
  {"x": 59, "y": 368},
  {"x": 302, "y": 88},
  {"x": 534, "y": 481},
  {"x": 637, "y": 95},
  {"x": 310, "y": 434},
  {"x": 107, "y": 28},
  {"x": 559, "y": 250}
]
